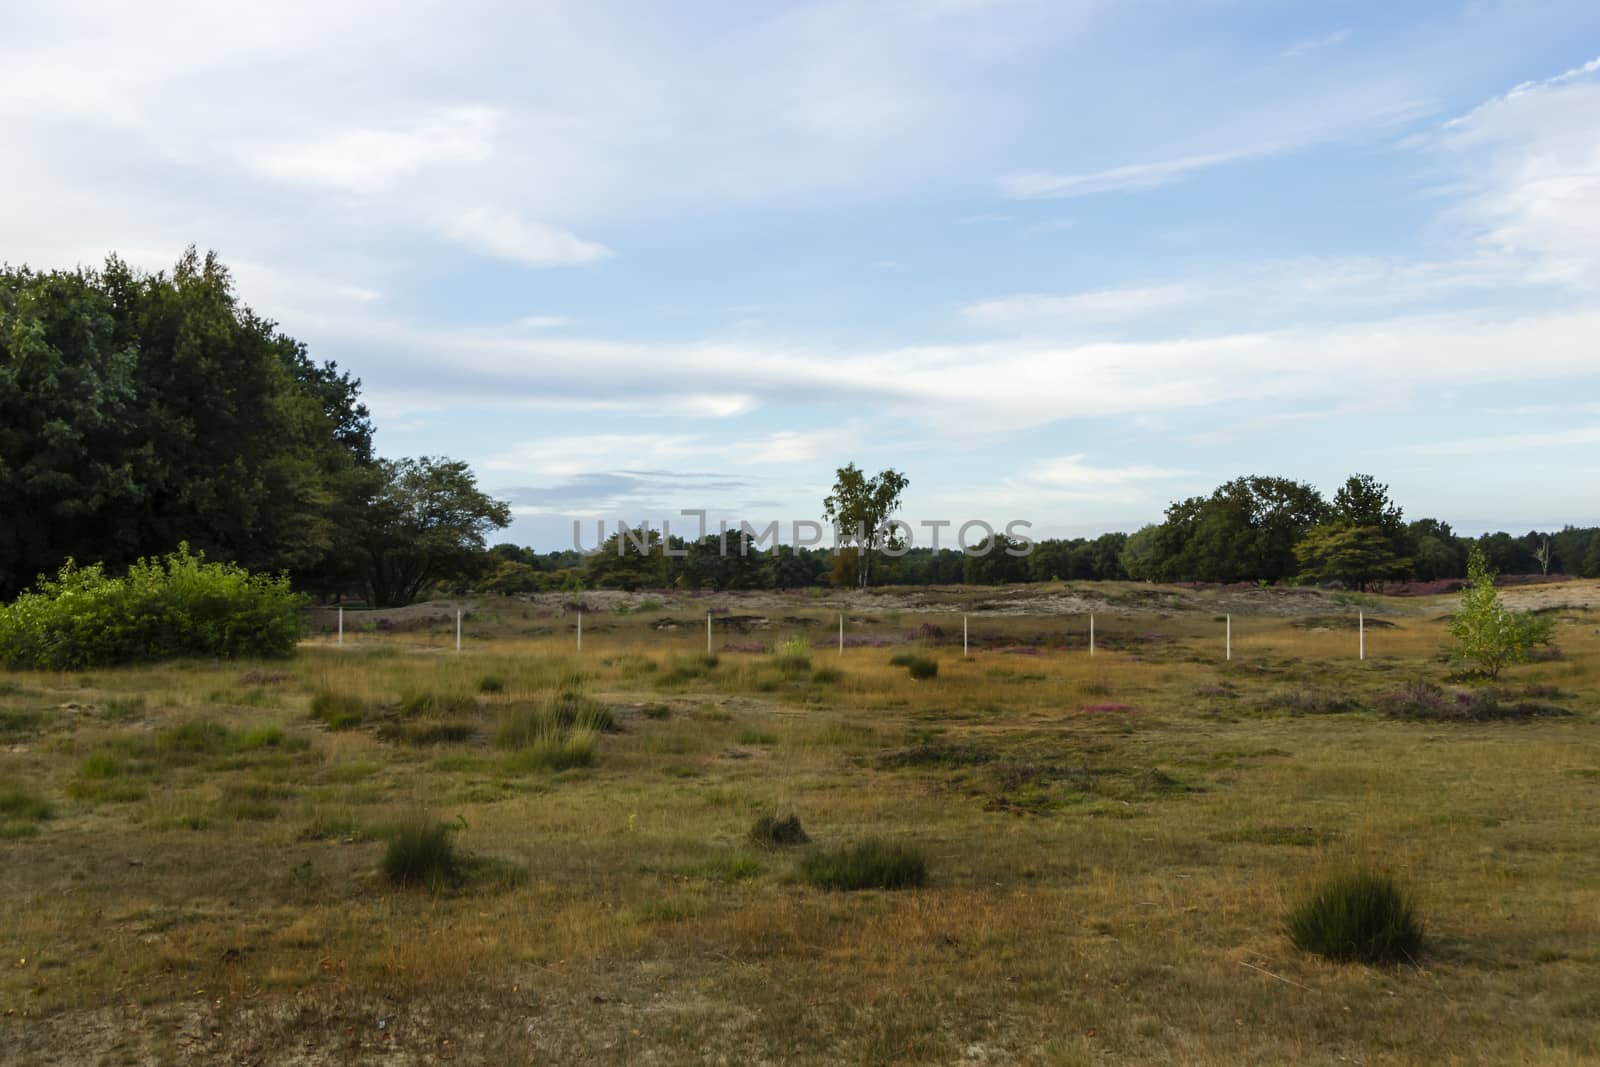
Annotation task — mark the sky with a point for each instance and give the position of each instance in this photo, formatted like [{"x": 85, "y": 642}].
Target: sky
[{"x": 1058, "y": 262}]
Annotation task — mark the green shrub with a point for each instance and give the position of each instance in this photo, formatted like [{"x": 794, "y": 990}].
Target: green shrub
[
  {"x": 657, "y": 711},
  {"x": 338, "y": 711},
  {"x": 871, "y": 864},
  {"x": 1358, "y": 915},
  {"x": 165, "y": 608},
  {"x": 773, "y": 832},
  {"x": 419, "y": 853},
  {"x": 827, "y": 676},
  {"x": 490, "y": 683},
  {"x": 918, "y": 666},
  {"x": 1488, "y": 635}
]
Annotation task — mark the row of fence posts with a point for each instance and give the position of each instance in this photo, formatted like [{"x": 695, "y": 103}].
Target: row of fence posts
[{"x": 1227, "y": 634}]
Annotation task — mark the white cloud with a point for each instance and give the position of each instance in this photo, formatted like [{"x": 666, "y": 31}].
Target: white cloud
[
  {"x": 1530, "y": 175},
  {"x": 1072, "y": 472},
  {"x": 544, "y": 322},
  {"x": 502, "y": 234},
  {"x": 368, "y": 160}
]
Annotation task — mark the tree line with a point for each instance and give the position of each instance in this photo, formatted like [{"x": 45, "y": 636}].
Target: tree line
[
  {"x": 1249, "y": 529},
  {"x": 142, "y": 411}
]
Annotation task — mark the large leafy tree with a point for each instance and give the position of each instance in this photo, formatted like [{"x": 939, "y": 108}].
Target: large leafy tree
[
  {"x": 426, "y": 521},
  {"x": 860, "y": 507},
  {"x": 69, "y": 473},
  {"x": 138, "y": 411},
  {"x": 1245, "y": 530}
]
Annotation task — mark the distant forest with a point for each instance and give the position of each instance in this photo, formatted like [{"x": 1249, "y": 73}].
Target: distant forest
[{"x": 143, "y": 411}]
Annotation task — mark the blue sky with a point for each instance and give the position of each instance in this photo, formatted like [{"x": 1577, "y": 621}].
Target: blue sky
[{"x": 1061, "y": 262}]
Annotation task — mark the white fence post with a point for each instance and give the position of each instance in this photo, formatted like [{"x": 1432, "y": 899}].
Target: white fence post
[
  {"x": 964, "y": 636},
  {"x": 1228, "y": 636},
  {"x": 841, "y": 633},
  {"x": 1361, "y": 625},
  {"x": 458, "y": 629},
  {"x": 1091, "y": 633},
  {"x": 708, "y": 633},
  {"x": 341, "y": 625},
  {"x": 580, "y": 631}
]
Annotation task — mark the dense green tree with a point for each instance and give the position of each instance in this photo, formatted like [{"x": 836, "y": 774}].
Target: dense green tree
[
  {"x": 1139, "y": 554},
  {"x": 1245, "y": 531},
  {"x": 728, "y": 560},
  {"x": 633, "y": 560},
  {"x": 138, "y": 411},
  {"x": 1354, "y": 555},
  {"x": 1001, "y": 564},
  {"x": 68, "y": 398},
  {"x": 1436, "y": 551},
  {"x": 426, "y": 522}
]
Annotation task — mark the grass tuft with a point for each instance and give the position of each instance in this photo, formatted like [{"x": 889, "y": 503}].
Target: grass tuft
[
  {"x": 1358, "y": 916},
  {"x": 419, "y": 853},
  {"x": 871, "y": 864},
  {"x": 338, "y": 711},
  {"x": 770, "y": 831}
]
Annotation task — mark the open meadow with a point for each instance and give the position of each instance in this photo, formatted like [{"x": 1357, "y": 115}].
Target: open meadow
[{"x": 193, "y": 854}]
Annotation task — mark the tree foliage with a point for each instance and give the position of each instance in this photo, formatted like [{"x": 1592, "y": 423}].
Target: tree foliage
[
  {"x": 426, "y": 520},
  {"x": 860, "y": 507}
]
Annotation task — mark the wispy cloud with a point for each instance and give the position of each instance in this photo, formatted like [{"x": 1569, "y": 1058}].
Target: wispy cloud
[
  {"x": 1316, "y": 44},
  {"x": 1103, "y": 305},
  {"x": 1132, "y": 177}
]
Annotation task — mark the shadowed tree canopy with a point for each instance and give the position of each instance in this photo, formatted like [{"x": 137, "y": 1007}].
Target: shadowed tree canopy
[
  {"x": 139, "y": 410},
  {"x": 426, "y": 521}
]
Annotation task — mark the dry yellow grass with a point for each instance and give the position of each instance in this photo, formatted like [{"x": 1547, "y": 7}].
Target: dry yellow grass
[{"x": 1105, "y": 884}]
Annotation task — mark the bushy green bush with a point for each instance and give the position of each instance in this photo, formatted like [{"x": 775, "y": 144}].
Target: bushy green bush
[
  {"x": 1358, "y": 915},
  {"x": 166, "y": 608},
  {"x": 770, "y": 831},
  {"x": 868, "y": 865}
]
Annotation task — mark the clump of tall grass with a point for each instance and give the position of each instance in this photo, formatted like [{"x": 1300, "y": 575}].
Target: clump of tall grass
[
  {"x": 871, "y": 864},
  {"x": 419, "y": 852},
  {"x": 1358, "y": 915},
  {"x": 338, "y": 711},
  {"x": 21, "y": 810},
  {"x": 792, "y": 656}
]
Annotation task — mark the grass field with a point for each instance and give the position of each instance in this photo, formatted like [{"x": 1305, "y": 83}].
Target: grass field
[{"x": 190, "y": 854}]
